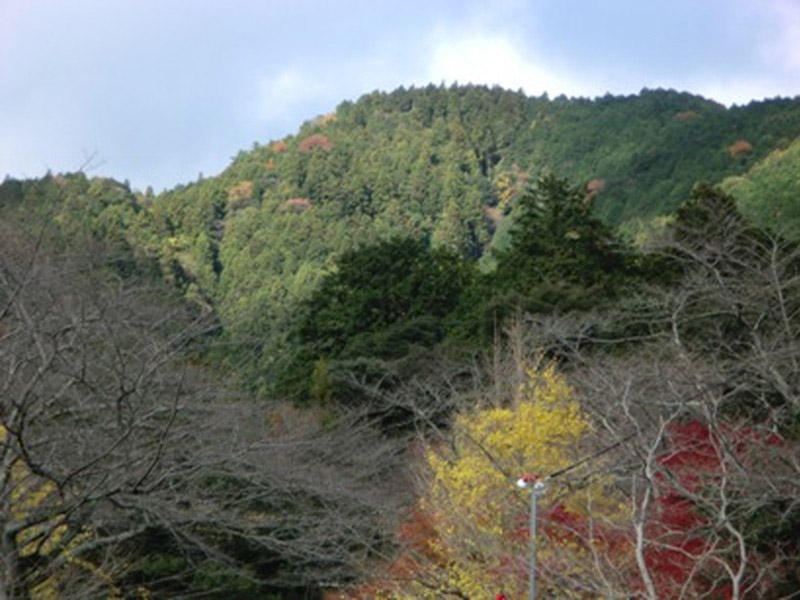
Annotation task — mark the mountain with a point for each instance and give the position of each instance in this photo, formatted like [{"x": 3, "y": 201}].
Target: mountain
[
  {"x": 444, "y": 165},
  {"x": 288, "y": 345}
]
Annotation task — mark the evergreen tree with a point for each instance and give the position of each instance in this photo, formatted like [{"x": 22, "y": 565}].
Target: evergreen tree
[
  {"x": 560, "y": 255},
  {"x": 379, "y": 303}
]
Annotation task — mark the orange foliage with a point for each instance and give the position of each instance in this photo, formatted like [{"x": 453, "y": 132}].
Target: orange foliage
[
  {"x": 279, "y": 146},
  {"x": 315, "y": 141},
  {"x": 418, "y": 536},
  {"x": 417, "y": 531},
  {"x": 594, "y": 186},
  {"x": 739, "y": 147},
  {"x": 241, "y": 191}
]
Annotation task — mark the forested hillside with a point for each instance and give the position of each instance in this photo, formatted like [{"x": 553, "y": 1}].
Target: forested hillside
[
  {"x": 443, "y": 165},
  {"x": 324, "y": 368},
  {"x": 768, "y": 192}
]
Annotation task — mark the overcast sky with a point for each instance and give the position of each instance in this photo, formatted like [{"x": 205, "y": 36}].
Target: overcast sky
[{"x": 158, "y": 91}]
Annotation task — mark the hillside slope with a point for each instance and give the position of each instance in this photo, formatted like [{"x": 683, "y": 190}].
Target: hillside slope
[
  {"x": 444, "y": 165},
  {"x": 769, "y": 193}
]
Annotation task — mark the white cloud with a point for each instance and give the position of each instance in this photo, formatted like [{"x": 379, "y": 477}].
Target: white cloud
[
  {"x": 472, "y": 53},
  {"x": 295, "y": 93},
  {"x": 774, "y": 48},
  {"x": 497, "y": 59},
  {"x": 735, "y": 90}
]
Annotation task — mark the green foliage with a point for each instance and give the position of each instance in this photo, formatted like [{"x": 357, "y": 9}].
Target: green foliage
[
  {"x": 75, "y": 213},
  {"x": 350, "y": 251},
  {"x": 559, "y": 257},
  {"x": 768, "y": 193},
  {"x": 449, "y": 165},
  {"x": 379, "y": 302},
  {"x": 556, "y": 237},
  {"x": 706, "y": 215},
  {"x": 321, "y": 385}
]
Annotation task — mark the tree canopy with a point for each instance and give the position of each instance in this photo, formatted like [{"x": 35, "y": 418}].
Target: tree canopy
[{"x": 319, "y": 373}]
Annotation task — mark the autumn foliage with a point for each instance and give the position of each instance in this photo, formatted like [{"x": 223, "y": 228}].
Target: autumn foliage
[
  {"x": 686, "y": 115},
  {"x": 469, "y": 535},
  {"x": 316, "y": 141},
  {"x": 45, "y": 537},
  {"x": 594, "y": 186},
  {"x": 279, "y": 146},
  {"x": 691, "y": 549},
  {"x": 240, "y": 194},
  {"x": 740, "y": 147}
]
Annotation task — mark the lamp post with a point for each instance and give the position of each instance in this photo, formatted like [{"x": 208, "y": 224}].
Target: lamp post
[{"x": 536, "y": 487}]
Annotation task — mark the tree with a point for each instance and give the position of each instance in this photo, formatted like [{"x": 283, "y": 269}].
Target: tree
[
  {"x": 560, "y": 258},
  {"x": 468, "y": 537},
  {"x": 689, "y": 391},
  {"x": 557, "y": 239},
  {"x": 122, "y": 466},
  {"x": 379, "y": 303},
  {"x": 700, "y": 396},
  {"x": 703, "y": 485}
]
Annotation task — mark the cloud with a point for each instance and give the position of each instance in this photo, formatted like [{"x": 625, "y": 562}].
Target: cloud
[
  {"x": 477, "y": 50},
  {"x": 298, "y": 91},
  {"x": 496, "y": 59},
  {"x": 734, "y": 90}
]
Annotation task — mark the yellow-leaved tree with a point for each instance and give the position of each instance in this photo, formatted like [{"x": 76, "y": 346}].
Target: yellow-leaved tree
[
  {"x": 43, "y": 539},
  {"x": 469, "y": 537}
]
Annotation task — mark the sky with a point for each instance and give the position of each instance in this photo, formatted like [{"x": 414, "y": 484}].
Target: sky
[{"x": 158, "y": 92}]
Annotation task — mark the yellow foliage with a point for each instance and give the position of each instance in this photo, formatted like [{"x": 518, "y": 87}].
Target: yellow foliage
[
  {"x": 481, "y": 543},
  {"x": 508, "y": 186},
  {"x": 47, "y": 537}
]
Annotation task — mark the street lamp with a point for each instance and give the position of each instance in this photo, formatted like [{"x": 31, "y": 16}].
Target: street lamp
[{"x": 536, "y": 487}]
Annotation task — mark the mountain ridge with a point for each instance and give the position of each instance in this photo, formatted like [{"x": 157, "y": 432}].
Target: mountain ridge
[{"x": 442, "y": 164}]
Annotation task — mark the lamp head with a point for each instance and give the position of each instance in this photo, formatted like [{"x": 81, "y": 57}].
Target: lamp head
[{"x": 530, "y": 481}]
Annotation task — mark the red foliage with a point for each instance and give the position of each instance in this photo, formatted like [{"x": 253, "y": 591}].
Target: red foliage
[
  {"x": 315, "y": 141},
  {"x": 417, "y": 532},
  {"x": 678, "y": 532},
  {"x": 677, "y": 543}
]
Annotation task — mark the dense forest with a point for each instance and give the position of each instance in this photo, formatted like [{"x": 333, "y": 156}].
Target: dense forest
[{"x": 319, "y": 373}]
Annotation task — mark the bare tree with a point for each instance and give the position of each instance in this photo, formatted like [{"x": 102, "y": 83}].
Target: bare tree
[
  {"x": 697, "y": 381},
  {"x": 692, "y": 387},
  {"x": 110, "y": 439}
]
